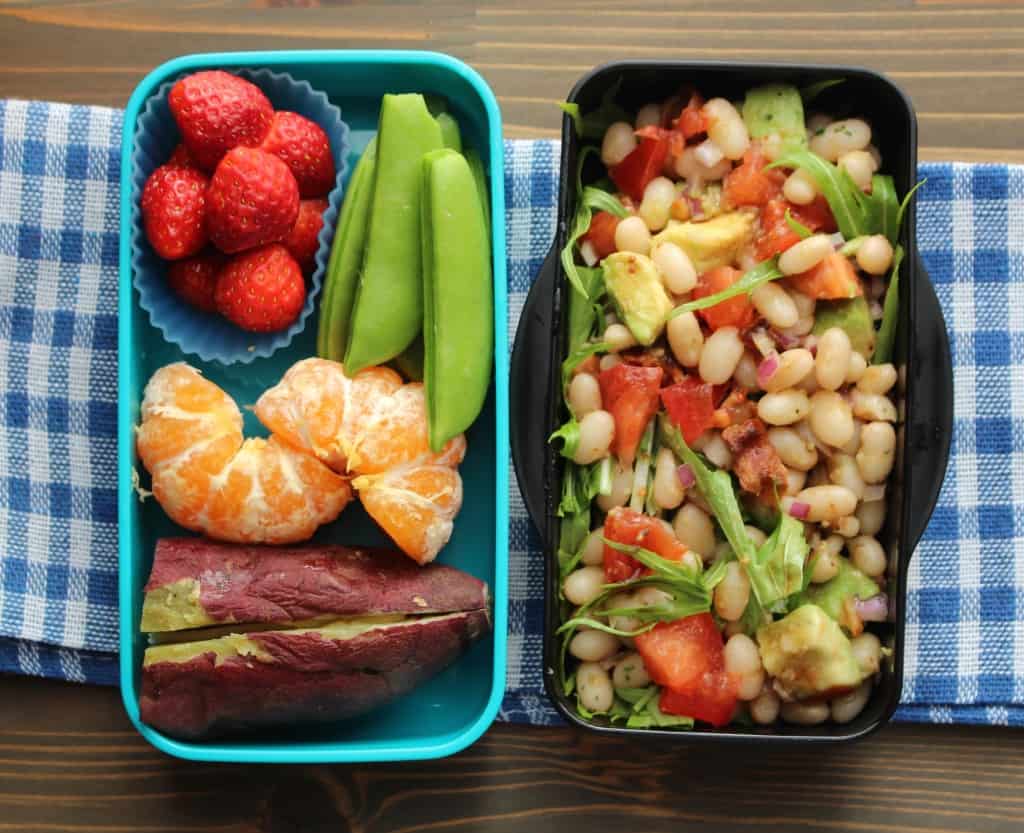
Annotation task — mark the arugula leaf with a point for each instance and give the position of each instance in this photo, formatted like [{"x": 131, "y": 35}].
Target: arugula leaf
[
  {"x": 569, "y": 434},
  {"x": 765, "y": 271},
  {"x": 890, "y": 313},
  {"x": 587, "y": 199},
  {"x": 584, "y": 310},
  {"x": 753, "y": 617},
  {"x": 572, "y": 110},
  {"x": 600, "y": 200},
  {"x": 716, "y": 488},
  {"x": 653, "y": 717},
  {"x": 637, "y": 696},
  {"x": 797, "y": 226},
  {"x": 812, "y": 91},
  {"x": 642, "y": 468},
  {"x": 851, "y": 247},
  {"x": 847, "y": 201},
  {"x": 884, "y": 207},
  {"x": 778, "y": 568},
  {"x": 600, "y": 482},
  {"x": 596, "y": 122},
  {"x": 905, "y": 203}
]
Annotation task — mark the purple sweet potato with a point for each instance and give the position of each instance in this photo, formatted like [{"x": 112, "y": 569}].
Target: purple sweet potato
[
  {"x": 288, "y": 677},
  {"x": 196, "y": 582}
]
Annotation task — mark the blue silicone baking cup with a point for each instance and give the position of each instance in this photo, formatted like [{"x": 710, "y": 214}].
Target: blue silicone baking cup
[{"x": 207, "y": 335}]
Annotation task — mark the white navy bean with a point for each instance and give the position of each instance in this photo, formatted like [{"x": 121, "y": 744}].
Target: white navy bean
[
  {"x": 879, "y": 378},
  {"x": 875, "y": 255},
  {"x": 668, "y": 491},
  {"x": 721, "y": 354},
  {"x": 827, "y": 503},
  {"x": 775, "y": 305},
  {"x": 794, "y": 366},
  {"x": 597, "y": 430},
  {"x": 583, "y": 585},
  {"x": 783, "y": 408},
  {"x": 594, "y": 687},
  {"x": 732, "y": 593},
  {"x": 830, "y": 418},
  {"x": 675, "y": 267},
  {"x": 726, "y": 128},
  {"x": 794, "y": 450},
  {"x": 619, "y": 141},
  {"x": 805, "y": 255},
  {"x": 593, "y": 645},
  {"x": 867, "y": 555},
  {"x": 833, "y": 358},
  {"x": 618, "y": 338},
  {"x": 694, "y": 527},
  {"x": 871, "y": 516},
  {"x": 632, "y": 235},
  {"x": 630, "y": 672},
  {"x": 622, "y": 487},
  {"x": 848, "y": 706},
  {"x": 584, "y": 394},
  {"x": 685, "y": 339}
]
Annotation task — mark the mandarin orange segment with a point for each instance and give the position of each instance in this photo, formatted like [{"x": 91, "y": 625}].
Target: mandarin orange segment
[
  {"x": 208, "y": 480},
  {"x": 416, "y": 506}
]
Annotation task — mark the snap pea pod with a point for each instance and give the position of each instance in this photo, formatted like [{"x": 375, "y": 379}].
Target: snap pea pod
[
  {"x": 388, "y": 308},
  {"x": 450, "y": 136},
  {"x": 346, "y": 256},
  {"x": 458, "y": 326},
  {"x": 476, "y": 165}
]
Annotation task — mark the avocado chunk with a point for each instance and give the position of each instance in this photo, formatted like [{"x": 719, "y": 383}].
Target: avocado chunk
[
  {"x": 776, "y": 108},
  {"x": 852, "y": 315},
  {"x": 808, "y": 655},
  {"x": 715, "y": 242},
  {"x": 830, "y": 596},
  {"x": 640, "y": 299}
]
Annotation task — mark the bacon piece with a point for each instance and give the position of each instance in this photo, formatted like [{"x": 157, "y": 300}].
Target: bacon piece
[{"x": 755, "y": 460}]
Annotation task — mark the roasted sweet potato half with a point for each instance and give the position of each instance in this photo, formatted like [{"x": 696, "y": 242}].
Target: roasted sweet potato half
[
  {"x": 287, "y": 677},
  {"x": 265, "y": 636},
  {"x": 196, "y": 583}
]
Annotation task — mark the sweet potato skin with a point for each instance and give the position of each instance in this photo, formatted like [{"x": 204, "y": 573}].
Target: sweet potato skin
[
  {"x": 302, "y": 677},
  {"x": 280, "y": 586}
]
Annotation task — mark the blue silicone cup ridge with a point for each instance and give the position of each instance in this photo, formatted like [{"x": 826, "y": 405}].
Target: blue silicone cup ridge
[{"x": 207, "y": 335}]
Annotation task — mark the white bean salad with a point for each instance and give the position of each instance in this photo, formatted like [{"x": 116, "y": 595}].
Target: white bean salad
[{"x": 731, "y": 414}]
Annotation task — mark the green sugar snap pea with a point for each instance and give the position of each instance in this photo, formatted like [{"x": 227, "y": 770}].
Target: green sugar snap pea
[
  {"x": 450, "y": 136},
  {"x": 388, "y": 309},
  {"x": 346, "y": 257},
  {"x": 458, "y": 324}
]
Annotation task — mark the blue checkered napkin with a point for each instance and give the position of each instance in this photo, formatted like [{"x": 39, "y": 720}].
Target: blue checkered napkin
[
  {"x": 965, "y": 634},
  {"x": 59, "y": 169},
  {"x": 58, "y": 543}
]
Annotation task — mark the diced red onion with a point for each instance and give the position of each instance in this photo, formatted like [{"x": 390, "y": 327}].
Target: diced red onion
[
  {"x": 875, "y": 609},
  {"x": 837, "y": 240},
  {"x": 696, "y": 207},
  {"x": 784, "y": 340},
  {"x": 686, "y": 476},
  {"x": 876, "y": 310},
  {"x": 811, "y": 343},
  {"x": 589, "y": 253},
  {"x": 799, "y": 510},
  {"x": 767, "y": 369},
  {"x": 874, "y": 492},
  {"x": 708, "y": 153}
]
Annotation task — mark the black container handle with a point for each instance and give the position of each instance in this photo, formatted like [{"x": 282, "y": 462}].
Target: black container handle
[{"x": 928, "y": 438}]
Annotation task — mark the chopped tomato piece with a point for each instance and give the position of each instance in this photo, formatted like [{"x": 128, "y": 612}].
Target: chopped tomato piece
[
  {"x": 749, "y": 183},
  {"x": 833, "y": 278},
  {"x": 690, "y": 405},
  {"x": 601, "y": 233},
  {"x": 630, "y": 394},
  {"x": 712, "y": 700},
  {"x": 692, "y": 121},
  {"x": 735, "y": 312},
  {"x": 627, "y": 526},
  {"x": 777, "y": 236},
  {"x": 677, "y": 654},
  {"x": 633, "y": 173}
]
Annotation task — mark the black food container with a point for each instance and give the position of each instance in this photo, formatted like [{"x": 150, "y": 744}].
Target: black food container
[{"x": 924, "y": 391}]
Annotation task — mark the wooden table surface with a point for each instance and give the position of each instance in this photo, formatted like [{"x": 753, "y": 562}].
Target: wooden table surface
[{"x": 69, "y": 760}]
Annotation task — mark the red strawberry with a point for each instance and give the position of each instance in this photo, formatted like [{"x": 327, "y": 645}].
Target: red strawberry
[
  {"x": 217, "y": 111},
  {"x": 301, "y": 240},
  {"x": 194, "y": 280},
  {"x": 304, "y": 147},
  {"x": 252, "y": 200},
  {"x": 262, "y": 290},
  {"x": 173, "y": 207},
  {"x": 181, "y": 158}
]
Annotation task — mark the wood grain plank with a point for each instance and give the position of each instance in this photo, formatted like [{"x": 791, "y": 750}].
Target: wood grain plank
[{"x": 57, "y": 775}]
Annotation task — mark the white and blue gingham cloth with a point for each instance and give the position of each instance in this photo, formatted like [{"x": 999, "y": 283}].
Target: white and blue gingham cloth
[{"x": 59, "y": 169}]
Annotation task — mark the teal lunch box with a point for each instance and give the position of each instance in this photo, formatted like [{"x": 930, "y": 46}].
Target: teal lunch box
[{"x": 453, "y": 709}]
